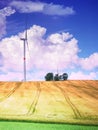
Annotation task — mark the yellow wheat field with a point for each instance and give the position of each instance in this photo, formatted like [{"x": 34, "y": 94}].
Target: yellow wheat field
[{"x": 71, "y": 101}]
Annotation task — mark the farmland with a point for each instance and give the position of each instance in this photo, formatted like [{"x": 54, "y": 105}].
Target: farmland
[{"x": 74, "y": 102}]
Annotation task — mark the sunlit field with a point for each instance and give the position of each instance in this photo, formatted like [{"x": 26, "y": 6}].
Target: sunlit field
[
  {"x": 73, "y": 102},
  {"x": 43, "y": 126}
]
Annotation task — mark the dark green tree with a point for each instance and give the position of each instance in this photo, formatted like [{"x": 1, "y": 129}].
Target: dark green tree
[
  {"x": 65, "y": 76},
  {"x": 49, "y": 77},
  {"x": 56, "y": 77}
]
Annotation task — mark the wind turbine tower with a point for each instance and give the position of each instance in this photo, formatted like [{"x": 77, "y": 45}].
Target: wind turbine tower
[
  {"x": 24, "y": 58},
  {"x": 25, "y": 42},
  {"x": 24, "y": 53}
]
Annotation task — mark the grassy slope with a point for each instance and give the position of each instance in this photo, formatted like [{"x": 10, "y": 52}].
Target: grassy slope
[
  {"x": 63, "y": 101},
  {"x": 42, "y": 126}
]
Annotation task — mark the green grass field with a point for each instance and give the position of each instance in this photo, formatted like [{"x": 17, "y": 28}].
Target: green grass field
[{"x": 42, "y": 126}]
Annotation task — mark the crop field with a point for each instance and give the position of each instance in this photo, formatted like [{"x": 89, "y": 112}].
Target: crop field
[{"x": 71, "y": 101}]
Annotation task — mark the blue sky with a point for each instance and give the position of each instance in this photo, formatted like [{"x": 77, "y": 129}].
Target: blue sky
[{"x": 54, "y": 20}]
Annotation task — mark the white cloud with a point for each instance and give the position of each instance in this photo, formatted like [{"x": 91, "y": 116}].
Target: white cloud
[
  {"x": 2, "y": 25},
  {"x": 59, "y": 50},
  {"x": 18, "y": 76},
  {"x": 49, "y": 9},
  {"x": 45, "y": 55},
  {"x": 11, "y": 76},
  {"x": 7, "y": 11},
  {"x": 27, "y": 6},
  {"x": 58, "y": 38},
  {"x": 90, "y": 62},
  {"x": 9, "y": 48},
  {"x": 52, "y": 9},
  {"x": 80, "y": 75},
  {"x": 1, "y": 59}
]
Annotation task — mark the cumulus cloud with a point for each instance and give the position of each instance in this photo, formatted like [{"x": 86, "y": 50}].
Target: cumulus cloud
[
  {"x": 7, "y": 11},
  {"x": 9, "y": 49},
  {"x": 49, "y": 9},
  {"x": 58, "y": 38},
  {"x": 80, "y": 75},
  {"x": 45, "y": 54},
  {"x": 59, "y": 50},
  {"x": 90, "y": 62},
  {"x": 1, "y": 59},
  {"x": 43, "y": 51}
]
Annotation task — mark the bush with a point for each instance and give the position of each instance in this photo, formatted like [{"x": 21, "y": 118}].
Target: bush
[
  {"x": 56, "y": 77},
  {"x": 65, "y": 76},
  {"x": 49, "y": 77}
]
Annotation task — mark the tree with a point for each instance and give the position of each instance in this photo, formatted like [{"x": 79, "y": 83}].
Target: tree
[
  {"x": 56, "y": 77},
  {"x": 65, "y": 76},
  {"x": 49, "y": 77}
]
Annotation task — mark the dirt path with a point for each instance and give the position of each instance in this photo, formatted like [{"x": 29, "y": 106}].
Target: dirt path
[
  {"x": 73, "y": 107},
  {"x": 10, "y": 92},
  {"x": 34, "y": 100}
]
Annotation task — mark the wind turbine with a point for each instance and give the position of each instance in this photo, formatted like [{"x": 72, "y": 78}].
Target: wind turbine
[{"x": 25, "y": 41}]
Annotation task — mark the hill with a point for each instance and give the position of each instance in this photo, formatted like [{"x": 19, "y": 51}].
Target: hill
[{"x": 71, "y": 101}]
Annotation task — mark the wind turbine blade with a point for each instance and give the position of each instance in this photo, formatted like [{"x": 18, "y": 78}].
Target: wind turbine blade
[
  {"x": 26, "y": 19},
  {"x": 26, "y": 34},
  {"x": 27, "y": 44},
  {"x": 28, "y": 48},
  {"x": 26, "y": 37}
]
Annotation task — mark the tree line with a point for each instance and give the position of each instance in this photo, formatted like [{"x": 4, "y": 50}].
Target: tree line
[{"x": 56, "y": 77}]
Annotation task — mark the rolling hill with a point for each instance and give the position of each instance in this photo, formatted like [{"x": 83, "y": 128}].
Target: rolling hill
[{"x": 71, "y": 101}]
